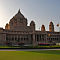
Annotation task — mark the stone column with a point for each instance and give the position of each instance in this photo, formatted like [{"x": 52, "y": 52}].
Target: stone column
[
  {"x": 2, "y": 38},
  {"x": 14, "y": 39},
  {"x": 34, "y": 42}
]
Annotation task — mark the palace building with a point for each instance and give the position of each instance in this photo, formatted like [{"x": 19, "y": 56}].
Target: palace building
[{"x": 18, "y": 32}]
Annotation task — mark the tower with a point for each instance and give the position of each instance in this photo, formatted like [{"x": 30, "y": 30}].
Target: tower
[
  {"x": 32, "y": 25},
  {"x": 7, "y": 26},
  {"x": 51, "y": 27},
  {"x": 43, "y": 28}
]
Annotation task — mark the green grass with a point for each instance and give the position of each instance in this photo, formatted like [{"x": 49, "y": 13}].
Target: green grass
[
  {"x": 30, "y": 55},
  {"x": 48, "y": 46},
  {"x": 9, "y": 47}
]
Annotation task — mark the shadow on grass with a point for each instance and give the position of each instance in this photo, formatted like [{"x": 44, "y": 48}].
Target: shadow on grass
[{"x": 57, "y": 52}]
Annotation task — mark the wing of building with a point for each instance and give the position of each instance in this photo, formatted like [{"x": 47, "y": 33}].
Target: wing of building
[{"x": 17, "y": 32}]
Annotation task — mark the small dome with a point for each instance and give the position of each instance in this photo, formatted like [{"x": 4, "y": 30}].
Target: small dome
[
  {"x": 32, "y": 23},
  {"x": 7, "y": 24},
  {"x": 43, "y": 26},
  {"x": 51, "y": 22}
]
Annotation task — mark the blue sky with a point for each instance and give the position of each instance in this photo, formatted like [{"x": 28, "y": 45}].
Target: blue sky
[{"x": 41, "y": 11}]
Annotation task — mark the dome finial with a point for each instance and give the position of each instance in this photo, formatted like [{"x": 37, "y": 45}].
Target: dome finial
[{"x": 19, "y": 11}]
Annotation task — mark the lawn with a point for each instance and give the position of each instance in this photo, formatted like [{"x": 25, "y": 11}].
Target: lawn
[{"x": 30, "y": 55}]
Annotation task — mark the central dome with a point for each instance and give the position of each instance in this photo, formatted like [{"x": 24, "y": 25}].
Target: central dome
[{"x": 18, "y": 20}]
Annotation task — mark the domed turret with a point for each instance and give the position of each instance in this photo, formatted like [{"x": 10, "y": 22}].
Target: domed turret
[
  {"x": 32, "y": 24},
  {"x": 43, "y": 28},
  {"x": 51, "y": 27},
  {"x": 7, "y": 26}
]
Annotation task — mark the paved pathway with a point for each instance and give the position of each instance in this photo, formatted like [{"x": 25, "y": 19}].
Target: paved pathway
[{"x": 26, "y": 49}]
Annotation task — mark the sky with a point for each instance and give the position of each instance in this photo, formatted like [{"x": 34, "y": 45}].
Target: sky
[{"x": 40, "y": 11}]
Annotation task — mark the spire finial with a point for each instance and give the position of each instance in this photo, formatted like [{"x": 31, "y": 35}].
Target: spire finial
[{"x": 19, "y": 11}]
